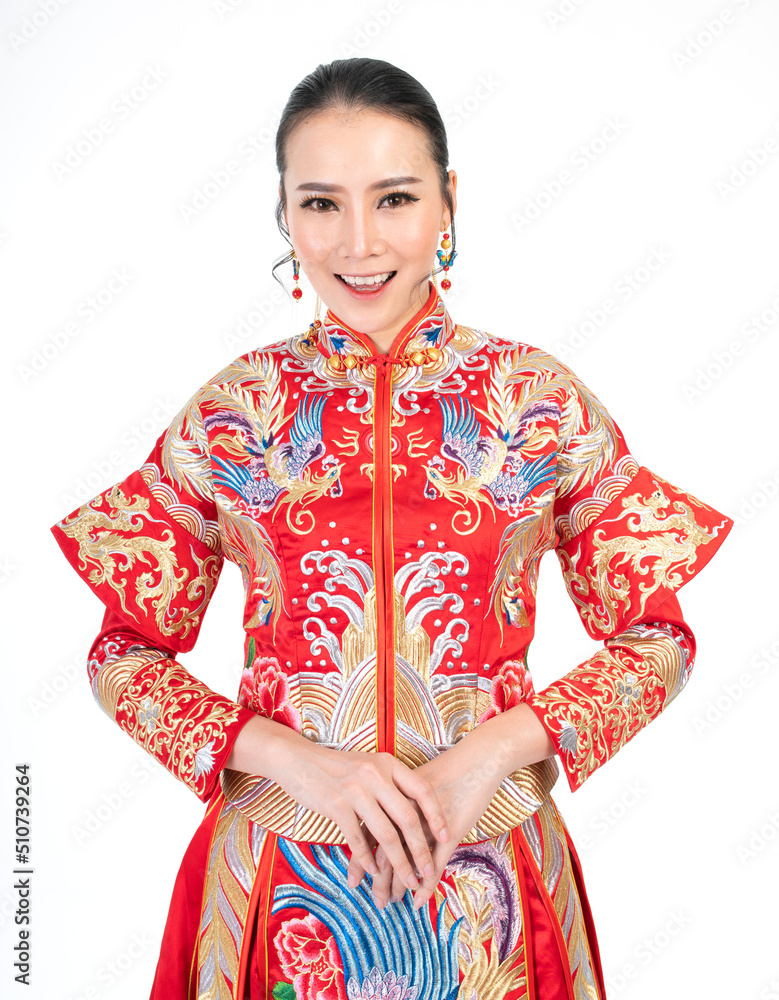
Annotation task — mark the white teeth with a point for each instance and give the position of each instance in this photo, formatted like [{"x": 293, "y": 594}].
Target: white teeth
[{"x": 370, "y": 279}]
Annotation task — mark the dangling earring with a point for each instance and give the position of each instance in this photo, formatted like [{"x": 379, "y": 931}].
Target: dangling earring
[
  {"x": 297, "y": 291},
  {"x": 316, "y": 326},
  {"x": 446, "y": 260}
]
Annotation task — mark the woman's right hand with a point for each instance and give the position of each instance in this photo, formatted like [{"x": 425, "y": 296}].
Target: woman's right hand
[{"x": 354, "y": 789}]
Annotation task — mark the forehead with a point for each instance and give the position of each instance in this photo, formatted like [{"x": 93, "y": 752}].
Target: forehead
[{"x": 356, "y": 148}]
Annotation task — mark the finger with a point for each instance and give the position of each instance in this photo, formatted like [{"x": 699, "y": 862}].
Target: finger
[
  {"x": 397, "y": 890},
  {"x": 441, "y": 855},
  {"x": 355, "y": 873},
  {"x": 380, "y": 884},
  {"x": 357, "y": 838},
  {"x": 392, "y": 819},
  {"x": 416, "y": 837},
  {"x": 421, "y": 791}
]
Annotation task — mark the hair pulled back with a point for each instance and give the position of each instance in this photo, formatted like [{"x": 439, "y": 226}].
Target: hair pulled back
[{"x": 362, "y": 84}]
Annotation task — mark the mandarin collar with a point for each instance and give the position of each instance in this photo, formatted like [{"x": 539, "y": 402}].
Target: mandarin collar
[{"x": 419, "y": 342}]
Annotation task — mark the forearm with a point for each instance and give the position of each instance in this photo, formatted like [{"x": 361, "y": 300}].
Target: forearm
[
  {"x": 507, "y": 742},
  {"x": 265, "y": 747}
]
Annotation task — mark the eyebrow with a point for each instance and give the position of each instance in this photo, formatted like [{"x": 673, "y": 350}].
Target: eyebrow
[{"x": 389, "y": 182}]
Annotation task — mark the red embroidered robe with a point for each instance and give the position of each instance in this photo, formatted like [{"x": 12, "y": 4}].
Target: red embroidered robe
[{"x": 388, "y": 514}]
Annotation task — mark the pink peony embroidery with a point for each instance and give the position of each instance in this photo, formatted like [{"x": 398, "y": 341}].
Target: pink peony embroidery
[
  {"x": 310, "y": 958},
  {"x": 265, "y": 690},
  {"x": 510, "y": 686}
]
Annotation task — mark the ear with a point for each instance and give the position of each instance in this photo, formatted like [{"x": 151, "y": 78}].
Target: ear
[
  {"x": 284, "y": 214},
  {"x": 453, "y": 181}
]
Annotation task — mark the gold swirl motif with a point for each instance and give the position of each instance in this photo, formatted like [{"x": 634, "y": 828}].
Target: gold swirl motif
[
  {"x": 114, "y": 677},
  {"x": 113, "y": 543},
  {"x": 520, "y": 795}
]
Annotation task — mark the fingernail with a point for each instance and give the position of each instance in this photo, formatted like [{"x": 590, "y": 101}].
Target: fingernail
[
  {"x": 429, "y": 870},
  {"x": 444, "y": 833},
  {"x": 412, "y": 882}
]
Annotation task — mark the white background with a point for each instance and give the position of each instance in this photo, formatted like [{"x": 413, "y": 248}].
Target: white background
[{"x": 679, "y": 833}]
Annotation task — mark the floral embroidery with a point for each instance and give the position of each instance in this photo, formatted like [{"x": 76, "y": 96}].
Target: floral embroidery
[
  {"x": 630, "y": 689},
  {"x": 381, "y": 987},
  {"x": 265, "y": 690},
  {"x": 510, "y": 686},
  {"x": 310, "y": 957},
  {"x": 148, "y": 714}
]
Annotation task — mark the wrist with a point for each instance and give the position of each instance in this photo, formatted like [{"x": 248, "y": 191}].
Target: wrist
[
  {"x": 264, "y": 747},
  {"x": 511, "y": 740}
]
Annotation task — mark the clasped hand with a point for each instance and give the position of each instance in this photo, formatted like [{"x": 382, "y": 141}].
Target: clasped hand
[{"x": 413, "y": 818}]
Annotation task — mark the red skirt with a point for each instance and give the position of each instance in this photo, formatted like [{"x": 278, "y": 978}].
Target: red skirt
[{"x": 306, "y": 940}]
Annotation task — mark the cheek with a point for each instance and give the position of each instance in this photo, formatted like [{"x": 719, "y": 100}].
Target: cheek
[
  {"x": 418, "y": 238},
  {"x": 313, "y": 248}
]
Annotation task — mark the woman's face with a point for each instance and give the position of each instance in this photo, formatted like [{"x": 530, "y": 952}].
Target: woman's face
[{"x": 364, "y": 200}]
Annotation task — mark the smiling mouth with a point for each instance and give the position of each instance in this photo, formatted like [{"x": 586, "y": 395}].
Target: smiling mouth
[{"x": 366, "y": 283}]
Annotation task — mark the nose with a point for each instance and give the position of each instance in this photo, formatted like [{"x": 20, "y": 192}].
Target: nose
[{"x": 360, "y": 233}]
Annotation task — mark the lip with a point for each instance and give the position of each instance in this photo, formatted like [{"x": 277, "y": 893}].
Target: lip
[{"x": 363, "y": 296}]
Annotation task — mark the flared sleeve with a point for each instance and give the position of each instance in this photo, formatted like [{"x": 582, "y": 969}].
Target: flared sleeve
[
  {"x": 626, "y": 539},
  {"x": 149, "y": 548}
]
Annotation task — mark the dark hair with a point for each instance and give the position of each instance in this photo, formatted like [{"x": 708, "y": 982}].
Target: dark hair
[{"x": 360, "y": 84}]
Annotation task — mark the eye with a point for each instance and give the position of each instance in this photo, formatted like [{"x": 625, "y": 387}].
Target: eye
[
  {"x": 314, "y": 201},
  {"x": 399, "y": 198}
]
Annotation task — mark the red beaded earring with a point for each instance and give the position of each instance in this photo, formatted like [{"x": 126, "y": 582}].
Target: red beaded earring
[
  {"x": 297, "y": 291},
  {"x": 446, "y": 260}
]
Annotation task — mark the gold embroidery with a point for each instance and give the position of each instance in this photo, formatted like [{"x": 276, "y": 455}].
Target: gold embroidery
[
  {"x": 672, "y": 548},
  {"x": 103, "y": 543},
  {"x": 607, "y": 701},
  {"x": 190, "y": 722},
  {"x": 483, "y": 976}
]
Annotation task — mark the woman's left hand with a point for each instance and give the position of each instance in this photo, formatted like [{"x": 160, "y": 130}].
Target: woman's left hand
[{"x": 465, "y": 782}]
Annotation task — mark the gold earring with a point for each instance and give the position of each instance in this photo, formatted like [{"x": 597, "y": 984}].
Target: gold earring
[
  {"x": 446, "y": 260},
  {"x": 317, "y": 324}
]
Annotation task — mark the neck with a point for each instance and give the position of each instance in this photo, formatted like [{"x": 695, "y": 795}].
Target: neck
[{"x": 383, "y": 339}]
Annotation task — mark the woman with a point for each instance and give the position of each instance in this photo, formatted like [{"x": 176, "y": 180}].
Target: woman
[{"x": 387, "y": 481}]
